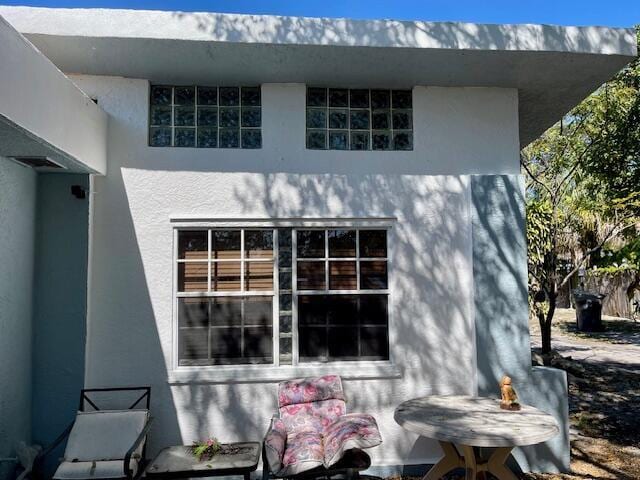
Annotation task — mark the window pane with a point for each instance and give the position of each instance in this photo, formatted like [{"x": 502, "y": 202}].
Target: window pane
[
  {"x": 185, "y": 117},
  {"x": 258, "y": 276},
  {"x": 374, "y": 343},
  {"x": 401, "y": 99},
  {"x": 207, "y": 96},
  {"x": 230, "y": 117},
  {"x": 161, "y": 95},
  {"x": 192, "y": 277},
  {"x": 160, "y": 115},
  {"x": 359, "y": 120},
  {"x": 342, "y": 276},
  {"x": 225, "y": 277},
  {"x": 373, "y": 275},
  {"x": 312, "y": 343},
  {"x": 207, "y": 137},
  {"x": 258, "y": 243},
  {"x": 192, "y": 244},
  {"x": 225, "y": 244},
  {"x": 185, "y": 137},
  {"x": 339, "y": 140},
  {"x": 373, "y": 243},
  {"x": 258, "y": 311},
  {"x": 184, "y": 95},
  {"x": 359, "y": 141},
  {"x": 193, "y": 346},
  {"x": 251, "y": 96},
  {"x": 316, "y": 140},
  {"x": 380, "y": 99},
  {"x": 373, "y": 309},
  {"x": 311, "y": 275},
  {"x": 258, "y": 344},
  {"x": 229, "y": 138},
  {"x": 316, "y": 97},
  {"x": 160, "y": 137},
  {"x": 193, "y": 312},
  {"x": 310, "y": 244},
  {"x": 381, "y": 140},
  {"x": 338, "y": 97},
  {"x": 251, "y": 138},
  {"x": 402, "y": 141},
  {"x": 229, "y": 96},
  {"x": 251, "y": 117},
  {"x": 207, "y": 116},
  {"x": 380, "y": 120},
  {"x": 343, "y": 343},
  {"x": 338, "y": 118},
  {"x": 402, "y": 120},
  {"x": 226, "y": 311},
  {"x": 316, "y": 118},
  {"x": 342, "y": 243},
  {"x": 312, "y": 309},
  {"x": 226, "y": 345},
  {"x": 342, "y": 309},
  {"x": 359, "y": 98}
]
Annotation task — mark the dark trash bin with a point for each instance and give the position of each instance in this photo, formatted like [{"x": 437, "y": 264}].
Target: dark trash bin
[{"x": 588, "y": 311}]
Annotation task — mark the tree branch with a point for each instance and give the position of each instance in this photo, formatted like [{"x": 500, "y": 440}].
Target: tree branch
[
  {"x": 591, "y": 251},
  {"x": 524, "y": 165}
]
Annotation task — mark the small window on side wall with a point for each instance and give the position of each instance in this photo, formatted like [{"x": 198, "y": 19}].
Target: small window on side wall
[
  {"x": 205, "y": 117},
  {"x": 359, "y": 119}
]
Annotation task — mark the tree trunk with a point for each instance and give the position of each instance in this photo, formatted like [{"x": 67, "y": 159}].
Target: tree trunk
[{"x": 546, "y": 322}]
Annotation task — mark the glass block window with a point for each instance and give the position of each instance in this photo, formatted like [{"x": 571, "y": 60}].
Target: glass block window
[
  {"x": 205, "y": 117},
  {"x": 225, "y": 295},
  {"x": 341, "y": 291},
  {"x": 359, "y": 119}
]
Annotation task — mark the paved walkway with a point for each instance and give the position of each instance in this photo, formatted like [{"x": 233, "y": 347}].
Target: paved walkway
[{"x": 619, "y": 349}]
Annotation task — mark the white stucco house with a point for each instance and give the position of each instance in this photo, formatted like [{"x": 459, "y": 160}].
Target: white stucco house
[{"x": 209, "y": 204}]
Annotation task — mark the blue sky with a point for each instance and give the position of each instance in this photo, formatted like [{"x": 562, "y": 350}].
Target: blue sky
[{"x": 563, "y": 12}]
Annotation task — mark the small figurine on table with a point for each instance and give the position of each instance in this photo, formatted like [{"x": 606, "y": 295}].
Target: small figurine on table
[{"x": 509, "y": 399}]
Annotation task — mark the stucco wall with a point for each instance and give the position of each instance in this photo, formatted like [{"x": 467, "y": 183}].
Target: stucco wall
[
  {"x": 60, "y": 279},
  {"x": 457, "y": 132},
  {"x": 17, "y": 231}
]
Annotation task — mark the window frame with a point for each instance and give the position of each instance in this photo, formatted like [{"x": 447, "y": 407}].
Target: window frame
[
  {"x": 370, "y": 132},
  {"x": 172, "y": 105},
  {"x": 296, "y": 293},
  {"x": 183, "y": 374}
]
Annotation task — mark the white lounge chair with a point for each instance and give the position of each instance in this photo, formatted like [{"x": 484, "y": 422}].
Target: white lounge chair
[{"x": 103, "y": 444}]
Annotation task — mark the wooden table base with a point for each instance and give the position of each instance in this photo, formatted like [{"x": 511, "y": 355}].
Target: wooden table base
[{"x": 472, "y": 463}]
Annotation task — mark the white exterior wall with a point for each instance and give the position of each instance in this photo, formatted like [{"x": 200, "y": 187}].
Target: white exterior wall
[
  {"x": 457, "y": 132},
  {"x": 17, "y": 236}
]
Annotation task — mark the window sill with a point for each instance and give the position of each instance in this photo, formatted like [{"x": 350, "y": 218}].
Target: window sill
[{"x": 272, "y": 374}]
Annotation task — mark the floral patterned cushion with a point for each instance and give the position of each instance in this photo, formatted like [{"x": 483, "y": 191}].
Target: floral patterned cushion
[
  {"x": 274, "y": 444},
  {"x": 355, "y": 430},
  {"x": 313, "y": 429},
  {"x": 305, "y": 390},
  {"x": 313, "y": 416},
  {"x": 304, "y": 452}
]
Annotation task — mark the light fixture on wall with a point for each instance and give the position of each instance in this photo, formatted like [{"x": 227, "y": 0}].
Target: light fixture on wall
[{"x": 78, "y": 191}]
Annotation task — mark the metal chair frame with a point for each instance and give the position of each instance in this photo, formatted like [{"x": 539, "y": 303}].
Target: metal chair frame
[{"x": 38, "y": 464}]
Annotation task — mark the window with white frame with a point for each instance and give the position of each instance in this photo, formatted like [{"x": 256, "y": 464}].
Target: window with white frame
[
  {"x": 326, "y": 288},
  {"x": 225, "y": 290},
  {"x": 341, "y": 293}
]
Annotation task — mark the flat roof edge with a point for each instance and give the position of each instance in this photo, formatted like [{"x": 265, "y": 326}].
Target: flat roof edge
[{"x": 280, "y": 30}]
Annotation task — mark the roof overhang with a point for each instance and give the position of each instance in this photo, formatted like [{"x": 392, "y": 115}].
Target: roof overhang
[
  {"x": 43, "y": 114},
  {"x": 552, "y": 67}
]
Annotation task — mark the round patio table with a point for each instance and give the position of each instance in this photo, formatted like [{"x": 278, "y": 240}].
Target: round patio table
[{"x": 471, "y": 422}]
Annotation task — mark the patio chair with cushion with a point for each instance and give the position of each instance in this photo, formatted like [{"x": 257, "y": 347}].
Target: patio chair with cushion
[
  {"x": 103, "y": 444},
  {"x": 313, "y": 435}
]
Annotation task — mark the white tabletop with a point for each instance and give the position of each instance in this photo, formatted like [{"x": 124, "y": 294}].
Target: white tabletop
[{"x": 475, "y": 421}]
